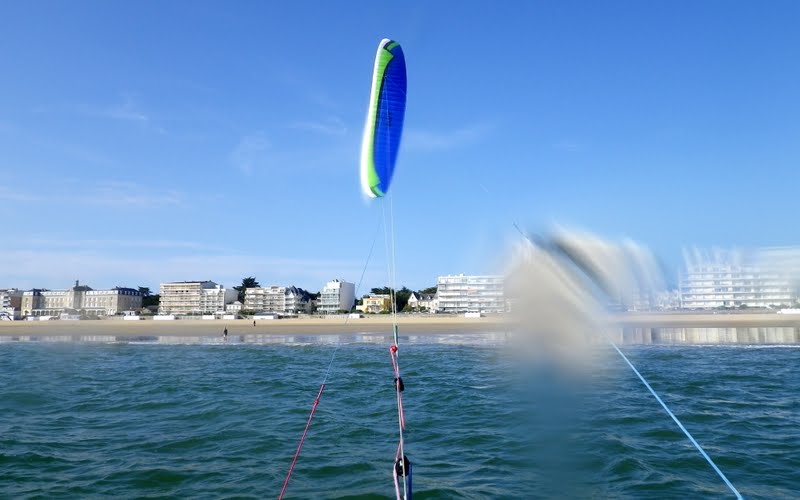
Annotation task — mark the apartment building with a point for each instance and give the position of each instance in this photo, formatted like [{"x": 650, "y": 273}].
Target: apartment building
[
  {"x": 667, "y": 300},
  {"x": 194, "y": 297},
  {"x": 718, "y": 278},
  {"x": 81, "y": 299},
  {"x": 280, "y": 299},
  {"x": 10, "y": 303},
  {"x": 460, "y": 293},
  {"x": 337, "y": 295}
]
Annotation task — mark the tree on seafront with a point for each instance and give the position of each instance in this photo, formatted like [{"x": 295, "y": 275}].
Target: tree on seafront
[
  {"x": 401, "y": 297},
  {"x": 148, "y": 299},
  {"x": 249, "y": 282}
]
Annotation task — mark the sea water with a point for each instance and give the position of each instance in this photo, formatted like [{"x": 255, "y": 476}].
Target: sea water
[{"x": 80, "y": 420}]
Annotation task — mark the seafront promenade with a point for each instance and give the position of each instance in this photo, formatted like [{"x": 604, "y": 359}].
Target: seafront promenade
[{"x": 631, "y": 328}]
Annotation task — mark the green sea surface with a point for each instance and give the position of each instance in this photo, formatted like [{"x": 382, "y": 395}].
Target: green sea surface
[{"x": 128, "y": 420}]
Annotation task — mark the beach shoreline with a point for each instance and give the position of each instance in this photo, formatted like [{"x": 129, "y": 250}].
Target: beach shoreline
[
  {"x": 381, "y": 324},
  {"x": 416, "y": 324}
]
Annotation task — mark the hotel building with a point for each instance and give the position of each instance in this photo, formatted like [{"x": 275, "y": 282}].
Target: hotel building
[
  {"x": 80, "y": 299},
  {"x": 470, "y": 294},
  {"x": 734, "y": 278},
  {"x": 194, "y": 297}
]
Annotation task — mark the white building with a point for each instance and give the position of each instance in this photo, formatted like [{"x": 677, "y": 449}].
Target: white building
[
  {"x": 280, "y": 299},
  {"x": 667, "y": 300},
  {"x": 296, "y": 300},
  {"x": 423, "y": 302},
  {"x": 80, "y": 299},
  {"x": 719, "y": 278},
  {"x": 194, "y": 297},
  {"x": 10, "y": 303},
  {"x": 470, "y": 294},
  {"x": 337, "y": 295}
]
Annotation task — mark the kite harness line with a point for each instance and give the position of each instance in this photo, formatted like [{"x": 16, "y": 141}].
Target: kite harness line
[
  {"x": 325, "y": 379},
  {"x": 381, "y": 142},
  {"x": 401, "y": 470},
  {"x": 402, "y": 466},
  {"x": 305, "y": 432},
  {"x": 379, "y": 148}
]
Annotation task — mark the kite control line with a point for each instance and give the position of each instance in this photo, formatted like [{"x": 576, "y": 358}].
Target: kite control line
[
  {"x": 381, "y": 142},
  {"x": 669, "y": 412},
  {"x": 303, "y": 438},
  {"x": 324, "y": 380},
  {"x": 402, "y": 466},
  {"x": 597, "y": 280}
]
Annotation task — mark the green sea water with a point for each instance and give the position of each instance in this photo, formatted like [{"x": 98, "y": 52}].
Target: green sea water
[{"x": 127, "y": 420}]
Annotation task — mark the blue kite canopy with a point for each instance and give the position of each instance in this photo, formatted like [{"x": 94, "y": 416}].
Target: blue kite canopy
[{"x": 384, "y": 127}]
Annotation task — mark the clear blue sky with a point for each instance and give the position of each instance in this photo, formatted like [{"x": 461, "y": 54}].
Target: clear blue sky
[{"x": 153, "y": 141}]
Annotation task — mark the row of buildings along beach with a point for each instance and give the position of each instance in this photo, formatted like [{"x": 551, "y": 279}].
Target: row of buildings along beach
[
  {"x": 710, "y": 279},
  {"x": 208, "y": 299}
]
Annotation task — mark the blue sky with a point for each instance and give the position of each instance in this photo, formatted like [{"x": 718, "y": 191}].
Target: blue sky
[{"x": 153, "y": 141}]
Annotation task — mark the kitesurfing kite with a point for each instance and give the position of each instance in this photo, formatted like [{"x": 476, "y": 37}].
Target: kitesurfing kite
[
  {"x": 382, "y": 132},
  {"x": 384, "y": 127},
  {"x": 387, "y": 108}
]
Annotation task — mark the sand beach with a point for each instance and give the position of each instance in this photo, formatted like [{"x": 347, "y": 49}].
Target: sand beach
[
  {"x": 411, "y": 324},
  {"x": 381, "y": 324}
]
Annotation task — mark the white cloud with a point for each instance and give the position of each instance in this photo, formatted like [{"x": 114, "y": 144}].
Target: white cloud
[
  {"x": 427, "y": 140},
  {"x": 108, "y": 193},
  {"x": 59, "y": 243},
  {"x": 152, "y": 244},
  {"x": 249, "y": 153},
  {"x": 330, "y": 126},
  {"x": 567, "y": 146},
  {"x": 127, "y": 110},
  {"x": 7, "y": 194},
  {"x": 115, "y": 193},
  {"x": 310, "y": 90},
  {"x": 84, "y": 154}
]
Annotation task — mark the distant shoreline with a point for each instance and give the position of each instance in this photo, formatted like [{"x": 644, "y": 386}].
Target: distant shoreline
[
  {"x": 381, "y": 324},
  {"x": 416, "y": 324},
  {"x": 686, "y": 319}
]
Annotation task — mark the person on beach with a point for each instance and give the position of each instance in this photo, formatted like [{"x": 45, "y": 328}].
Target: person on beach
[
  {"x": 225, "y": 333},
  {"x": 254, "y": 322}
]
